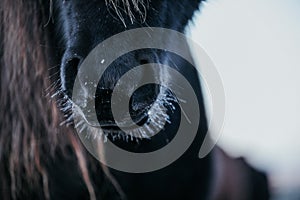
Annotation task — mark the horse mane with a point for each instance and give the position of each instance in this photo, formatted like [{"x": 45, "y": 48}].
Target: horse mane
[{"x": 30, "y": 134}]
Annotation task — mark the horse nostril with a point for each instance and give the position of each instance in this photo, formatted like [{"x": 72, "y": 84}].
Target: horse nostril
[
  {"x": 146, "y": 56},
  {"x": 144, "y": 61},
  {"x": 69, "y": 72}
]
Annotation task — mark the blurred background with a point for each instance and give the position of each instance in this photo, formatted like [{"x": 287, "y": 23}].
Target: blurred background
[{"x": 255, "y": 45}]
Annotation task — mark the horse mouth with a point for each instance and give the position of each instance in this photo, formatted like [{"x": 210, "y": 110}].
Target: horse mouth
[
  {"x": 140, "y": 120},
  {"x": 150, "y": 109},
  {"x": 113, "y": 127},
  {"x": 146, "y": 114}
]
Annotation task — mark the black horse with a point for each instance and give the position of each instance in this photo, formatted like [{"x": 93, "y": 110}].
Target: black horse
[
  {"x": 74, "y": 28},
  {"x": 86, "y": 24}
]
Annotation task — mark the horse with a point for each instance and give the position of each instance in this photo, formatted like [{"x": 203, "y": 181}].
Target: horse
[{"x": 44, "y": 45}]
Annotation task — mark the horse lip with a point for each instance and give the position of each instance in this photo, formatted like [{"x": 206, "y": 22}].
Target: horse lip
[
  {"x": 110, "y": 127},
  {"x": 142, "y": 118}
]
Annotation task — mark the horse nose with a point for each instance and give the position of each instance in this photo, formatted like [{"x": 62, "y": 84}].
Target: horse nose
[{"x": 73, "y": 57}]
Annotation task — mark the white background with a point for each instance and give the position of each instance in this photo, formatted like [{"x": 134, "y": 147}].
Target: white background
[{"x": 255, "y": 45}]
